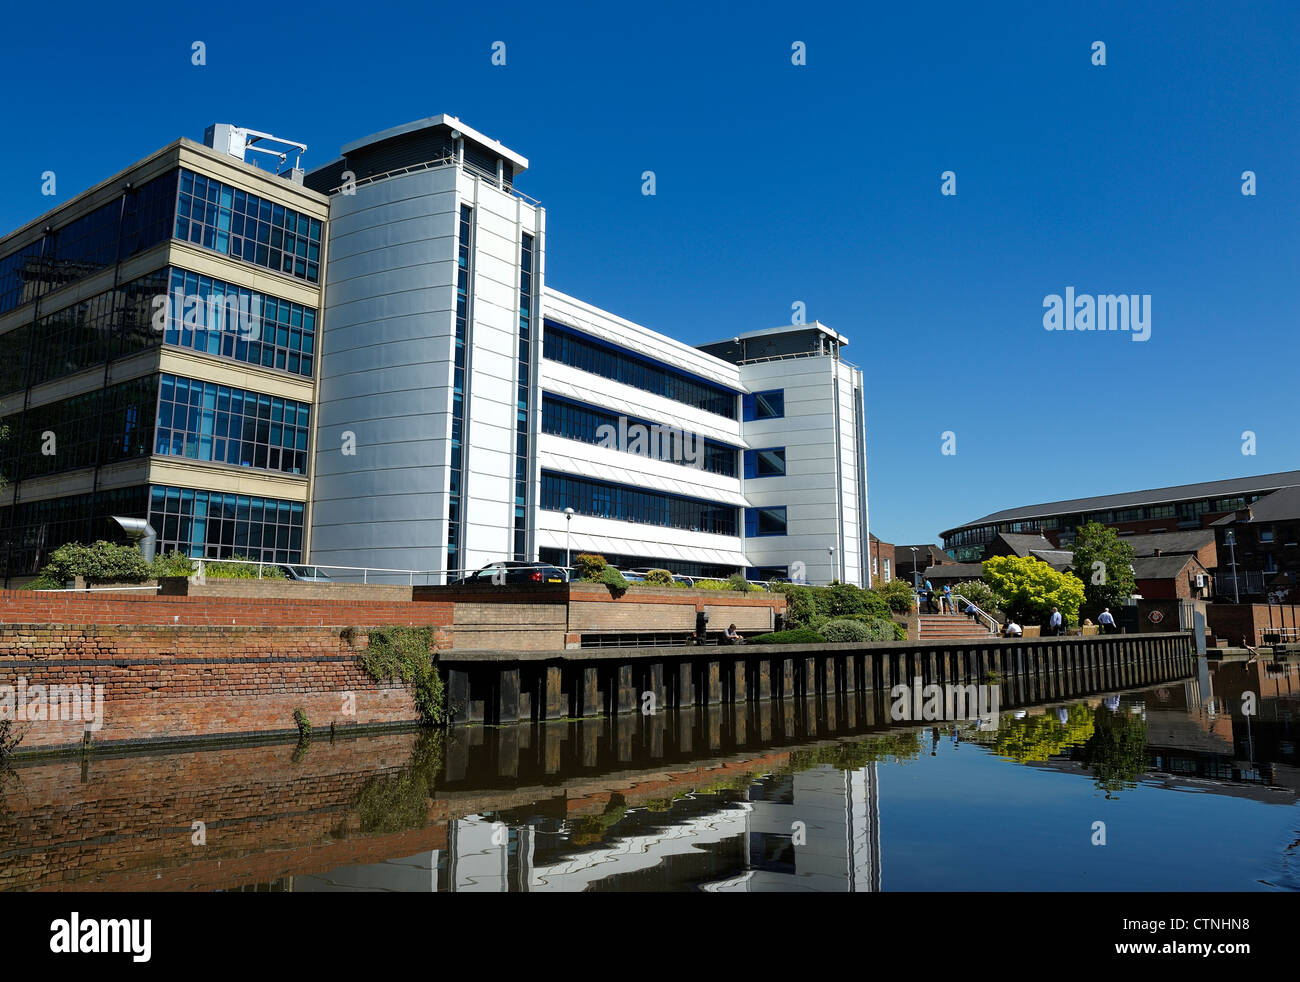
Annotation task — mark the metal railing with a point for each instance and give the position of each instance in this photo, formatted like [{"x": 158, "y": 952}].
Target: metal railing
[
  {"x": 795, "y": 354},
  {"x": 449, "y": 160},
  {"x": 993, "y": 625}
]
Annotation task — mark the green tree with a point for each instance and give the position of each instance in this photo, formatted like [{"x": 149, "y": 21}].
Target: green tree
[
  {"x": 1104, "y": 562},
  {"x": 1027, "y": 588}
]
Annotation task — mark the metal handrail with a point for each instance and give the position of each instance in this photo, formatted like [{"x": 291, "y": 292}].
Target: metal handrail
[
  {"x": 993, "y": 624},
  {"x": 795, "y": 354},
  {"x": 445, "y": 161}
]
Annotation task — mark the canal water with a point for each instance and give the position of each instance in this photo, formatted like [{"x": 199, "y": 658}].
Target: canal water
[{"x": 1170, "y": 788}]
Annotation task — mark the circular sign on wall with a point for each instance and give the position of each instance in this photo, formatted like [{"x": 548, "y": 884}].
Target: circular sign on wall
[{"x": 1155, "y": 617}]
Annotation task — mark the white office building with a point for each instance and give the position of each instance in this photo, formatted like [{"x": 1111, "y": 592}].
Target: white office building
[{"x": 464, "y": 405}]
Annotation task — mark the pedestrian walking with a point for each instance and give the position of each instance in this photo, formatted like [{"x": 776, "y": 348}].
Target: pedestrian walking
[
  {"x": 1107, "y": 621},
  {"x": 947, "y": 599}
]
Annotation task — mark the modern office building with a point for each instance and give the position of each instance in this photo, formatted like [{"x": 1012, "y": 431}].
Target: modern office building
[
  {"x": 413, "y": 396},
  {"x": 465, "y": 405},
  {"x": 1186, "y": 506},
  {"x": 157, "y": 359}
]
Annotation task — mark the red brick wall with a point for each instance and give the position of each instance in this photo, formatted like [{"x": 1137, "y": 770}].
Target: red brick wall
[
  {"x": 30, "y": 607},
  {"x": 1232, "y": 622},
  {"x": 187, "y": 667}
]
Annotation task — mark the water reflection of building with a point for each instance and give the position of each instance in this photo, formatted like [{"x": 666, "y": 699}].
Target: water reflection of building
[{"x": 816, "y": 829}]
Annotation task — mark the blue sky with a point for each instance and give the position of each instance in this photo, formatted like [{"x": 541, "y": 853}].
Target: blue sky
[{"x": 819, "y": 184}]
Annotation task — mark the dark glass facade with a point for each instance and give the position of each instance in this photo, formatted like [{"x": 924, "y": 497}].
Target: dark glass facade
[
  {"x": 244, "y": 226},
  {"x": 523, "y": 406},
  {"x": 31, "y": 530},
  {"x": 98, "y": 427},
  {"x": 247, "y": 326},
  {"x": 464, "y": 256},
  {"x": 216, "y": 525},
  {"x": 582, "y": 351},
  {"x": 603, "y": 499},
  {"x": 138, "y": 219},
  {"x": 580, "y": 421},
  {"x": 221, "y": 423},
  {"x": 106, "y": 326}
]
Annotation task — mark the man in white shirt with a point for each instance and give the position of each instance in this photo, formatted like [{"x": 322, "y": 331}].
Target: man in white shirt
[
  {"x": 1107, "y": 621},
  {"x": 1056, "y": 622},
  {"x": 1011, "y": 629}
]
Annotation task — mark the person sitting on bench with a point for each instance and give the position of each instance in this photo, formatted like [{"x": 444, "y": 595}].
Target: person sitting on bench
[{"x": 732, "y": 636}]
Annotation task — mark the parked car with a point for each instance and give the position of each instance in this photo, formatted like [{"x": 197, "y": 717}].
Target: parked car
[
  {"x": 308, "y": 574},
  {"x": 514, "y": 572}
]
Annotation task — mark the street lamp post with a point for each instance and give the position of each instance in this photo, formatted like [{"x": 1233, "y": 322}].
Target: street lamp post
[
  {"x": 916, "y": 581},
  {"x": 830, "y": 551},
  {"x": 568, "y": 522}
]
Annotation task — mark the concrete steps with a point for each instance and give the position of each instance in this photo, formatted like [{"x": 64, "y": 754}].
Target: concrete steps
[{"x": 950, "y": 627}]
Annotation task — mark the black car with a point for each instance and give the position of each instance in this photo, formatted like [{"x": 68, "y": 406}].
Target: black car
[{"x": 514, "y": 572}]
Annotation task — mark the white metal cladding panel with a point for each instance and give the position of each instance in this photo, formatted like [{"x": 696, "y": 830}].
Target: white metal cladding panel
[
  {"x": 412, "y": 479},
  {"x": 432, "y": 354},
  {"x": 489, "y": 496},
  {"x": 411, "y": 290},
  {"x": 414, "y": 506},
  {"x": 821, "y": 511},
  {"x": 421, "y": 252},
  {"x": 393, "y": 199},
  {"x": 384, "y": 443},
  {"x": 438, "y": 328},
  {"x": 385, "y": 376}
]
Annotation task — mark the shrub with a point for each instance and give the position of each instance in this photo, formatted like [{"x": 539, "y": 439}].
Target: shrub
[
  {"x": 406, "y": 653},
  {"x": 800, "y": 607},
  {"x": 660, "y": 577},
  {"x": 588, "y": 566},
  {"x": 737, "y": 582},
  {"x": 898, "y": 595},
  {"x": 103, "y": 562},
  {"x": 978, "y": 593},
  {"x": 846, "y": 630},
  {"x": 303, "y": 723},
  {"x": 613, "y": 579},
  {"x": 174, "y": 563},
  {"x": 43, "y": 582},
  {"x": 800, "y": 635},
  {"x": 712, "y": 585},
  {"x": 242, "y": 568}
]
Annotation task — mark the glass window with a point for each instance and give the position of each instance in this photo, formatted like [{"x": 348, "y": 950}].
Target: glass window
[
  {"x": 219, "y": 217},
  {"x": 582, "y": 351},
  {"x": 765, "y": 463},
  {"x": 213, "y": 525},
  {"x": 765, "y": 521},
  {"x": 579, "y": 421},
  {"x": 633, "y": 504},
  {"x": 764, "y": 405},
  {"x": 206, "y": 421}
]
